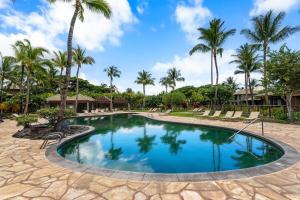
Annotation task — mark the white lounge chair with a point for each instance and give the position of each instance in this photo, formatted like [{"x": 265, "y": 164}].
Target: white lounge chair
[
  {"x": 205, "y": 114},
  {"x": 228, "y": 115},
  {"x": 166, "y": 112},
  {"x": 237, "y": 114},
  {"x": 216, "y": 114},
  {"x": 253, "y": 115}
]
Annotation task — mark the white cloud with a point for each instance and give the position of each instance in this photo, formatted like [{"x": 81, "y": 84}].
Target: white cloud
[
  {"x": 191, "y": 17},
  {"x": 196, "y": 69},
  {"x": 4, "y": 3},
  {"x": 140, "y": 10},
  {"x": 142, "y": 6},
  {"x": 261, "y": 6},
  {"x": 46, "y": 26}
]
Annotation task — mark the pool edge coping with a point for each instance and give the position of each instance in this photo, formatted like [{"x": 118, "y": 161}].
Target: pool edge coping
[{"x": 290, "y": 157}]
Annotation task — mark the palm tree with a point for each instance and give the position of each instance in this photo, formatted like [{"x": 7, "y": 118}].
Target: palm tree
[
  {"x": 80, "y": 58},
  {"x": 165, "y": 81},
  {"x": 248, "y": 62},
  {"x": 60, "y": 60},
  {"x": 267, "y": 29},
  {"x": 33, "y": 60},
  {"x": 98, "y": 6},
  {"x": 174, "y": 75},
  {"x": 7, "y": 65},
  {"x": 253, "y": 83},
  {"x": 213, "y": 37},
  {"x": 144, "y": 78},
  {"x": 146, "y": 142},
  {"x": 112, "y": 72},
  {"x": 231, "y": 82}
]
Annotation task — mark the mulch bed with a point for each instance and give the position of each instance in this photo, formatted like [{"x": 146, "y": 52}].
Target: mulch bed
[{"x": 41, "y": 131}]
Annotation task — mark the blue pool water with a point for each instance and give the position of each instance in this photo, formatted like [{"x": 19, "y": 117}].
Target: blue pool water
[{"x": 134, "y": 143}]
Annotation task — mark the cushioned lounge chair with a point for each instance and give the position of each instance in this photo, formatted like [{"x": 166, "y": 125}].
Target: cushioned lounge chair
[
  {"x": 216, "y": 114},
  {"x": 205, "y": 114},
  {"x": 237, "y": 114},
  {"x": 228, "y": 115}
]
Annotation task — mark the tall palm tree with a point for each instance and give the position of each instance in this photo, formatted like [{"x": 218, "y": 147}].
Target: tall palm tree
[
  {"x": 60, "y": 60},
  {"x": 33, "y": 59},
  {"x": 253, "y": 83},
  {"x": 80, "y": 58},
  {"x": 98, "y": 6},
  {"x": 267, "y": 29},
  {"x": 231, "y": 82},
  {"x": 165, "y": 81},
  {"x": 6, "y": 66},
  {"x": 144, "y": 78},
  {"x": 248, "y": 62},
  {"x": 112, "y": 72},
  {"x": 174, "y": 75},
  {"x": 213, "y": 39}
]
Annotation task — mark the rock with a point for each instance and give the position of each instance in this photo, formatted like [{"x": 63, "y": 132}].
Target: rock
[{"x": 190, "y": 195}]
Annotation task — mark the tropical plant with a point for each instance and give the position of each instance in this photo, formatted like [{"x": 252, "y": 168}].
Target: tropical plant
[
  {"x": 26, "y": 120},
  {"x": 174, "y": 99},
  {"x": 33, "y": 60},
  {"x": 112, "y": 72},
  {"x": 284, "y": 69},
  {"x": 80, "y": 58},
  {"x": 174, "y": 75},
  {"x": 98, "y": 6},
  {"x": 267, "y": 29},
  {"x": 166, "y": 82},
  {"x": 6, "y": 66},
  {"x": 60, "y": 61},
  {"x": 213, "y": 37},
  {"x": 247, "y": 62},
  {"x": 231, "y": 82},
  {"x": 51, "y": 114},
  {"x": 144, "y": 78}
]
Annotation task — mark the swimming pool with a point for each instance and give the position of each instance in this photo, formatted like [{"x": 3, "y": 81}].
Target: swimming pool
[{"x": 134, "y": 143}]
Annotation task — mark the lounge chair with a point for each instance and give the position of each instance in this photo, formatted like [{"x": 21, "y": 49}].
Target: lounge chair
[
  {"x": 195, "y": 110},
  {"x": 85, "y": 112},
  {"x": 253, "y": 115},
  {"x": 228, "y": 115},
  {"x": 205, "y": 114},
  {"x": 150, "y": 110},
  {"x": 216, "y": 114},
  {"x": 154, "y": 109},
  {"x": 237, "y": 115},
  {"x": 166, "y": 112}
]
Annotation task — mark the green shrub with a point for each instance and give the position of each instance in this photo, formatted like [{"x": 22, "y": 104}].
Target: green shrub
[
  {"x": 174, "y": 98},
  {"x": 51, "y": 114},
  {"x": 26, "y": 120},
  {"x": 279, "y": 114},
  {"x": 297, "y": 116}
]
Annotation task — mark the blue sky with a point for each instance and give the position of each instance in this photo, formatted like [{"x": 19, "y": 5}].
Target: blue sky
[{"x": 154, "y": 35}]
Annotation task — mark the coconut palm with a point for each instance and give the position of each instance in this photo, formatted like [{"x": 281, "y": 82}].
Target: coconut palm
[
  {"x": 80, "y": 58},
  {"x": 247, "y": 61},
  {"x": 112, "y": 72},
  {"x": 144, "y": 78},
  {"x": 267, "y": 29},
  {"x": 166, "y": 82},
  {"x": 253, "y": 83},
  {"x": 231, "y": 82},
  {"x": 98, "y": 6},
  {"x": 174, "y": 75},
  {"x": 213, "y": 39},
  {"x": 6, "y": 66},
  {"x": 60, "y": 60},
  {"x": 32, "y": 59}
]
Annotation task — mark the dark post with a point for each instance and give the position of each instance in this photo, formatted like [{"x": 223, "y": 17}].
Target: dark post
[{"x": 262, "y": 126}]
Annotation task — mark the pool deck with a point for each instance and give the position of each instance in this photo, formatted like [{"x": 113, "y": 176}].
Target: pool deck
[{"x": 26, "y": 173}]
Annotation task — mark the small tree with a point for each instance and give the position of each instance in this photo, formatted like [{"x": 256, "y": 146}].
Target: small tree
[
  {"x": 284, "y": 68},
  {"x": 174, "y": 99}
]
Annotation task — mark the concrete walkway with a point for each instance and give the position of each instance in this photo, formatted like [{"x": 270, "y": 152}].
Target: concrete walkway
[{"x": 25, "y": 173}]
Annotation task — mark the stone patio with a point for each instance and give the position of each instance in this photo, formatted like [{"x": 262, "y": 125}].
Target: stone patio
[{"x": 25, "y": 173}]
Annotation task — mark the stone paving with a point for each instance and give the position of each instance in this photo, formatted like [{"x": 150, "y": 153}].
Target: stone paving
[{"x": 25, "y": 173}]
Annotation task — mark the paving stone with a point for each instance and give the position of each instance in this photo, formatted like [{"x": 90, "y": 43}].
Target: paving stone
[
  {"x": 213, "y": 195},
  {"x": 170, "y": 197},
  {"x": 155, "y": 197},
  {"x": 56, "y": 189},
  {"x": 270, "y": 194},
  {"x": 190, "y": 195},
  {"x": 119, "y": 193},
  {"x": 35, "y": 192},
  {"x": 174, "y": 187},
  {"x": 13, "y": 190},
  {"x": 140, "y": 196}
]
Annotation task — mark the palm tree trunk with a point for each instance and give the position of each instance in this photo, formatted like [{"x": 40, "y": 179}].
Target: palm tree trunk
[
  {"x": 166, "y": 89},
  {"x": 251, "y": 89},
  {"x": 22, "y": 88},
  {"x": 265, "y": 48},
  {"x": 211, "y": 68},
  {"x": 77, "y": 88},
  {"x": 144, "y": 91},
  {"x": 64, "y": 89},
  {"x": 217, "y": 77},
  {"x": 246, "y": 88},
  {"x": 27, "y": 93},
  {"x": 111, "y": 96}
]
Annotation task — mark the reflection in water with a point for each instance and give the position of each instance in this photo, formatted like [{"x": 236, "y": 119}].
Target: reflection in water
[{"x": 134, "y": 143}]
